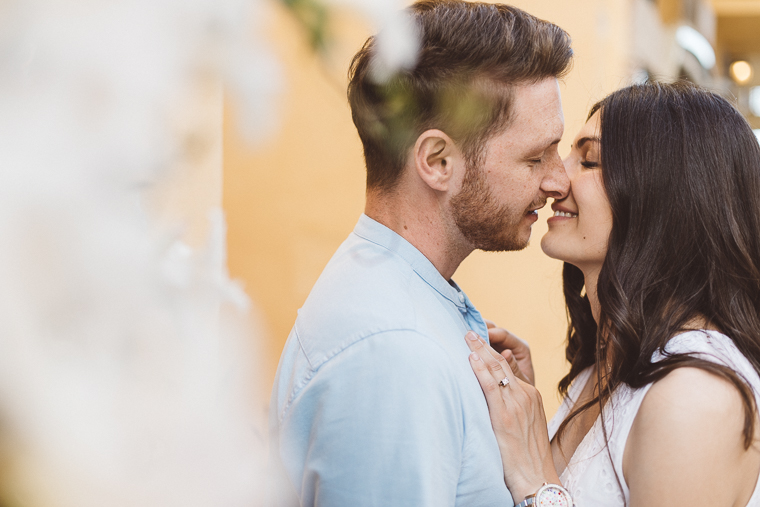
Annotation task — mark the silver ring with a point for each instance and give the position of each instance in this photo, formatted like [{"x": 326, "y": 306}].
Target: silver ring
[{"x": 503, "y": 382}]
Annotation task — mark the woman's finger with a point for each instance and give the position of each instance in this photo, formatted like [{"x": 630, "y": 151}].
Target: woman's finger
[
  {"x": 512, "y": 362},
  {"x": 489, "y": 323},
  {"x": 491, "y": 388},
  {"x": 494, "y": 362},
  {"x": 503, "y": 339},
  {"x": 494, "y": 365}
]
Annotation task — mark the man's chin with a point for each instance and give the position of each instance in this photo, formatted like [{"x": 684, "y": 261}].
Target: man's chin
[
  {"x": 497, "y": 237},
  {"x": 506, "y": 245}
]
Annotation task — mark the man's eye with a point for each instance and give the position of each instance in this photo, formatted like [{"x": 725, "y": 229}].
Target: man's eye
[{"x": 535, "y": 161}]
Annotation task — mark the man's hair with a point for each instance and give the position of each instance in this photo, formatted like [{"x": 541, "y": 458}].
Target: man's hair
[{"x": 470, "y": 56}]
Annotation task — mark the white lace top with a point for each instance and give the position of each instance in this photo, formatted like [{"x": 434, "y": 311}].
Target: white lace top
[{"x": 590, "y": 476}]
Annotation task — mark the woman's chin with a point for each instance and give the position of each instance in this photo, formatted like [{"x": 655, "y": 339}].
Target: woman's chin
[{"x": 551, "y": 248}]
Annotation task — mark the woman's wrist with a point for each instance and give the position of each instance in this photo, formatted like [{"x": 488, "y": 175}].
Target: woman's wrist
[{"x": 527, "y": 487}]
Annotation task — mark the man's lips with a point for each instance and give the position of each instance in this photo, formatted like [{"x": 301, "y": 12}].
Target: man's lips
[{"x": 534, "y": 210}]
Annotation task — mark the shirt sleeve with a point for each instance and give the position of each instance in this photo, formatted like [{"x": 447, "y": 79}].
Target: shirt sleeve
[{"x": 379, "y": 424}]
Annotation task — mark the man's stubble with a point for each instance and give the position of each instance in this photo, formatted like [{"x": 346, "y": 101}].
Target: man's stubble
[{"x": 484, "y": 223}]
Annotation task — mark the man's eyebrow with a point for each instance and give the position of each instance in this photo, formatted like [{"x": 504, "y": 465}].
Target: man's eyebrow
[
  {"x": 584, "y": 140},
  {"x": 548, "y": 144}
]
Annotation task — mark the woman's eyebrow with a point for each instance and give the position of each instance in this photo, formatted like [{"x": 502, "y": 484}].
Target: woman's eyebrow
[{"x": 584, "y": 140}]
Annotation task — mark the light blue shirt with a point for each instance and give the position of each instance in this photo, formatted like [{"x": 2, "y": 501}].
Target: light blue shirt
[{"x": 375, "y": 403}]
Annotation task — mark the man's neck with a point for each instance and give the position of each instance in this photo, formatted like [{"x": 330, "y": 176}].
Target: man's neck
[{"x": 422, "y": 223}]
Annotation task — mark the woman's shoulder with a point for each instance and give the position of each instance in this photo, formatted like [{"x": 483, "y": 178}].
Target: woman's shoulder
[
  {"x": 687, "y": 402},
  {"x": 692, "y": 391},
  {"x": 688, "y": 430},
  {"x": 690, "y": 427},
  {"x": 709, "y": 345}
]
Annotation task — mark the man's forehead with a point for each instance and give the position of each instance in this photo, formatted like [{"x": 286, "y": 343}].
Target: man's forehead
[
  {"x": 537, "y": 108},
  {"x": 543, "y": 95},
  {"x": 539, "y": 100}
]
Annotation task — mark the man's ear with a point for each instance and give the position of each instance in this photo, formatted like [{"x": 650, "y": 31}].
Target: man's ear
[{"x": 436, "y": 159}]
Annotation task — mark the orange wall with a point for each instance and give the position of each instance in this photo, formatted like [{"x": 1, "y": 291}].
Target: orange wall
[{"x": 293, "y": 199}]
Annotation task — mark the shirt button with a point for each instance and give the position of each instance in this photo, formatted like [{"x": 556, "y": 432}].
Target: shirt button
[{"x": 461, "y": 297}]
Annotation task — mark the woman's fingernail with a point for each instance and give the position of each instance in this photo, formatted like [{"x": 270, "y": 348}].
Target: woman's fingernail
[
  {"x": 472, "y": 336},
  {"x": 475, "y": 356}
]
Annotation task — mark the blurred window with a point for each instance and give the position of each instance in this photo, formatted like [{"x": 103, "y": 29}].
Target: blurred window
[{"x": 754, "y": 100}]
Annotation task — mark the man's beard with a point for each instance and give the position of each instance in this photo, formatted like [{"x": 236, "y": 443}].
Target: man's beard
[{"x": 485, "y": 224}]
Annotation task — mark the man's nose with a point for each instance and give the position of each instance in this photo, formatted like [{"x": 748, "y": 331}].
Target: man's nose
[{"x": 556, "y": 184}]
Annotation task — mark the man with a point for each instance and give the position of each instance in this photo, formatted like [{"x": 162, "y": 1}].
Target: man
[{"x": 375, "y": 402}]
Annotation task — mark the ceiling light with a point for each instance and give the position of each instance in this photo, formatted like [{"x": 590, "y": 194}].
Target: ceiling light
[
  {"x": 696, "y": 44},
  {"x": 741, "y": 71}
]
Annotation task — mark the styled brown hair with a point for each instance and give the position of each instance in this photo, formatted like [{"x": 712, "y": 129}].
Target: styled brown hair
[{"x": 471, "y": 54}]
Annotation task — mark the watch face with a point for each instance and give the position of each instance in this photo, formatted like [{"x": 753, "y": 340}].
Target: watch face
[{"x": 553, "y": 496}]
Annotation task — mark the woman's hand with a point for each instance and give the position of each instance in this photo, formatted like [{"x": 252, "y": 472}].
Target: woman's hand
[
  {"x": 514, "y": 349},
  {"x": 518, "y": 420}
]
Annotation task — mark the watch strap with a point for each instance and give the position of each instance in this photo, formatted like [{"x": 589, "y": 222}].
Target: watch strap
[{"x": 529, "y": 500}]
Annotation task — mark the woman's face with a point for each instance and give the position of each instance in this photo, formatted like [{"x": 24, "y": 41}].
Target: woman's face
[{"x": 582, "y": 221}]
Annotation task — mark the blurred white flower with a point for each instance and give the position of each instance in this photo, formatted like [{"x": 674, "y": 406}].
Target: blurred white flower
[
  {"x": 127, "y": 360},
  {"x": 397, "y": 36},
  {"x": 397, "y": 47},
  {"x": 127, "y": 371}
]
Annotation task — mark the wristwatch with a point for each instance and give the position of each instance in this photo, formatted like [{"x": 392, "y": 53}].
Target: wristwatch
[{"x": 548, "y": 495}]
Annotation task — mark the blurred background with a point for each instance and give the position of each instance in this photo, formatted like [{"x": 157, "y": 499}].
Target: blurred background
[{"x": 174, "y": 177}]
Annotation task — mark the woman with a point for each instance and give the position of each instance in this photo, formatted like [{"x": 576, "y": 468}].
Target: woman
[{"x": 660, "y": 235}]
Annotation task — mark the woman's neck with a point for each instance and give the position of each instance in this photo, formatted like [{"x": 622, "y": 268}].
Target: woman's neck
[
  {"x": 591, "y": 277},
  {"x": 590, "y": 281}
]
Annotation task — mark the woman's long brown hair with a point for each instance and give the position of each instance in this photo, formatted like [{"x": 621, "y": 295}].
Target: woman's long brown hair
[{"x": 681, "y": 168}]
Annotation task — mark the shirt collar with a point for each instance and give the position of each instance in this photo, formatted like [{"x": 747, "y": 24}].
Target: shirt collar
[{"x": 377, "y": 233}]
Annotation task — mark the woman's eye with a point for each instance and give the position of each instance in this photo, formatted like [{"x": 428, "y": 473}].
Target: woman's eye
[{"x": 589, "y": 165}]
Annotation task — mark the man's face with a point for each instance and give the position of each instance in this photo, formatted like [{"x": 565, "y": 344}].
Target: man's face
[{"x": 499, "y": 197}]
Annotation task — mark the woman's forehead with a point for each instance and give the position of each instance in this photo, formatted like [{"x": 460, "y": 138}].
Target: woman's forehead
[{"x": 591, "y": 130}]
